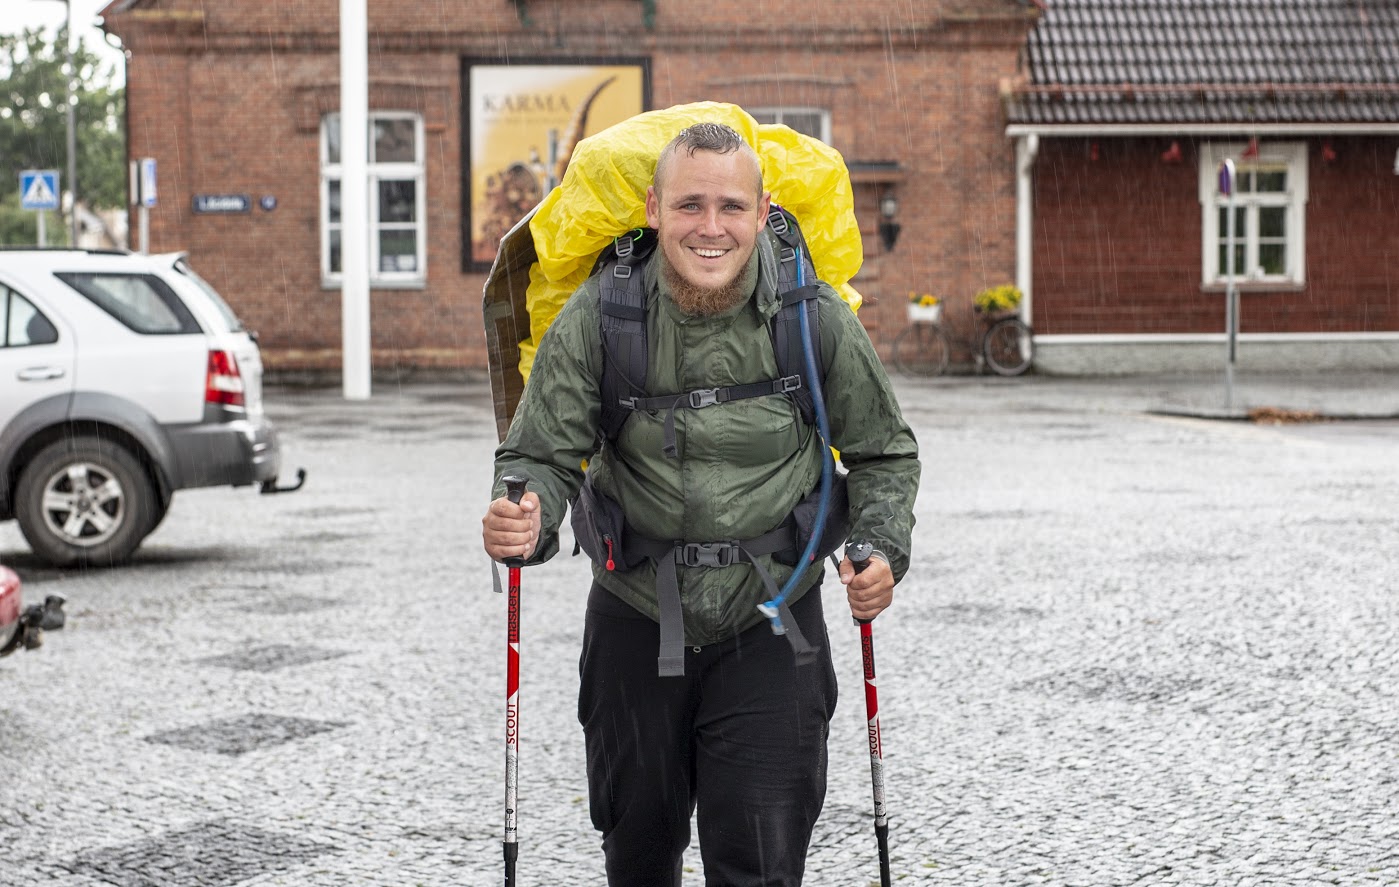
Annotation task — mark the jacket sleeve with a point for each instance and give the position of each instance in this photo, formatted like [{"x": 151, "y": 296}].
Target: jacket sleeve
[
  {"x": 555, "y": 429},
  {"x": 875, "y": 443}
]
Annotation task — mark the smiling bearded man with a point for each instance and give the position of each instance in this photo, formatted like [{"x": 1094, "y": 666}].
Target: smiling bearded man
[
  {"x": 691, "y": 706},
  {"x": 708, "y": 206}
]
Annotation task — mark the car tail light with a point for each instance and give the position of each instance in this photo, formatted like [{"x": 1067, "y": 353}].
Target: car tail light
[{"x": 224, "y": 383}]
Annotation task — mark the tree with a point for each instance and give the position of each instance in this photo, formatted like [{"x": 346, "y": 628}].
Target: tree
[{"x": 33, "y": 128}]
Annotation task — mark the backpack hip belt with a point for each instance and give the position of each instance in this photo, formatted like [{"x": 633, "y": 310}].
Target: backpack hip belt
[{"x": 668, "y": 556}]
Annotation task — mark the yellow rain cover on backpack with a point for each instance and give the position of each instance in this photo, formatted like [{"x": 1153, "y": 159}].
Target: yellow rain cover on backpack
[{"x": 603, "y": 194}]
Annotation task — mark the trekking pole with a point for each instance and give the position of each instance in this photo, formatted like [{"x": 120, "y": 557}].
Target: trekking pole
[
  {"x": 514, "y": 491},
  {"x": 859, "y": 554}
]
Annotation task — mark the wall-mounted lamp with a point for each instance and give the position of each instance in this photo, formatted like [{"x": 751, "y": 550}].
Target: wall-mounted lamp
[
  {"x": 1328, "y": 153},
  {"x": 1173, "y": 154},
  {"x": 888, "y": 228}
]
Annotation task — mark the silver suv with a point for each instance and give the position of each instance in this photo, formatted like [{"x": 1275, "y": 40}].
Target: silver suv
[{"x": 123, "y": 378}]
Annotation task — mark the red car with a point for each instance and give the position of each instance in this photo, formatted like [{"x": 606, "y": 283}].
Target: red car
[{"x": 21, "y": 627}]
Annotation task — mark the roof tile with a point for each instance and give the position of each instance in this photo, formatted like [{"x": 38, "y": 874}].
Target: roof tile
[{"x": 1260, "y": 53}]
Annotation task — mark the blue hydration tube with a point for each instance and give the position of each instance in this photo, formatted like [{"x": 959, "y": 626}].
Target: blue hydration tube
[{"x": 770, "y": 609}]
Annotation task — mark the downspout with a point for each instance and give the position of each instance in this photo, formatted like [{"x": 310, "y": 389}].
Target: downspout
[{"x": 1026, "y": 147}]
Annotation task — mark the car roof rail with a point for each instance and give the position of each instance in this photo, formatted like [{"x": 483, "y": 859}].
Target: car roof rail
[{"x": 93, "y": 251}]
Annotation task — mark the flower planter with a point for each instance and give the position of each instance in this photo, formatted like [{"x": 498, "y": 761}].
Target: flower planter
[{"x": 924, "y": 313}]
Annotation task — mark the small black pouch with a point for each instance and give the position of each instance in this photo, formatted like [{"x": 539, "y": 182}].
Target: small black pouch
[
  {"x": 600, "y": 528},
  {"x": 837, "y": 527}
]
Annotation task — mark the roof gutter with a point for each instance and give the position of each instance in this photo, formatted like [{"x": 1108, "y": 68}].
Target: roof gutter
[{"x": 1016, "y": 130}]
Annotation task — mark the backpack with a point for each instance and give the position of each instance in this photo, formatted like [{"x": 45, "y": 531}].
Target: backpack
[{"x": 625, "y": 352}]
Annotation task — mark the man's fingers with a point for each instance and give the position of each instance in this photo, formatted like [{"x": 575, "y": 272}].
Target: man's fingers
[{"x": 511, "y": 529}]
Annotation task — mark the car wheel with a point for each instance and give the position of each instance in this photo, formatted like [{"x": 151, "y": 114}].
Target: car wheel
[{"x": 84, "y": 501}]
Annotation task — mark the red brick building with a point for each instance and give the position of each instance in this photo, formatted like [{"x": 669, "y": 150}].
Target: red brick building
[
  {"x": 231, "y": 97},
  {"x": 1122, "y": 116}
]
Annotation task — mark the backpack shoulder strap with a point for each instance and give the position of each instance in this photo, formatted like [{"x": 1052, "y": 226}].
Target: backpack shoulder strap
[
  {"x": 623, "y": 304},
  {"x": 796, "y": 282}
]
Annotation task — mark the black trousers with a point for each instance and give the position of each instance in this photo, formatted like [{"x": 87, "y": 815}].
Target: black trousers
[{"x": 741, "y": 738}]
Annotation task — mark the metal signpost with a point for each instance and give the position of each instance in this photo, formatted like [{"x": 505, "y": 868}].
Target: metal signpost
[
  {"x": 1231, "y": 293},
  {"x": 38, "y": 190},
  {"x": 143, "y": 195}
]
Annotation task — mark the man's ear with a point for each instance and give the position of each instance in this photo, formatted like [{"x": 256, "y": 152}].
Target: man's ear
[
  {"x": 764, "y": 207},
  {"x": 653, "y": 208}
]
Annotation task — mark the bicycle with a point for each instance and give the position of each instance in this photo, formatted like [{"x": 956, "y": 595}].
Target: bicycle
[{"x": 1004, "y": 343}]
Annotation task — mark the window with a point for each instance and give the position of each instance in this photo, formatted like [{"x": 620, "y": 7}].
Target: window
[
  {"x": 141, "y": 302},
  {"x": 1269, "y": 206},
  {"x": 397, "y": 205},
  {"x": 814, "y": 122},
  {"x": 21, "y": 323}
]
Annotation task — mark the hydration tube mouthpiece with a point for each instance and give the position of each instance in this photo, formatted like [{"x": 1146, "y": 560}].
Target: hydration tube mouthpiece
[{"x": 774, "y": 619}]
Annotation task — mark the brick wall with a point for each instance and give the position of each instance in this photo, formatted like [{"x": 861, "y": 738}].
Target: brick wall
[
  {"x": 1117, "y": 242},
  {"x": 227, "y": 97}
]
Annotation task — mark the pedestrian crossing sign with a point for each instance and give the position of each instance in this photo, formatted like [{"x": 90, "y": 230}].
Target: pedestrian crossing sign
[{"x": 38, "y": 189}]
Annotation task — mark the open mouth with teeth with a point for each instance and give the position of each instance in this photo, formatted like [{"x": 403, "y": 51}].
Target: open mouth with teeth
[{"x": 704, "y": 253}]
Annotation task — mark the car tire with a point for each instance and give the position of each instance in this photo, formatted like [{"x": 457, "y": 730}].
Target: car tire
[{"x": 84, "y": 501}]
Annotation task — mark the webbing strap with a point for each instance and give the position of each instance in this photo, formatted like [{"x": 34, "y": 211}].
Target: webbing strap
[
  {"x": 705, "y": 397},
  {"x": 670, "y": 662},
  {"x": 801, "y": 648},
  {"x": 668, "y": 556}
]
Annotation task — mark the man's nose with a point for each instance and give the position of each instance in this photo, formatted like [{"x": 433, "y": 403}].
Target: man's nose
[{"x": 709, "y": 224}]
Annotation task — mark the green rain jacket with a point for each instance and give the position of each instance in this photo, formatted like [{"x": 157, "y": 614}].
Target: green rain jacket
[{"x": 741, "y": 465}]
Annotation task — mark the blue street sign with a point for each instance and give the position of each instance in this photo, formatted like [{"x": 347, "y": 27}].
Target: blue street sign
[
  {"x": 1226, "y": 178},
  {"x": 146, "y": 181},
  {"x": 38, "y": 189},
  {"x": 205, "y": 204}
]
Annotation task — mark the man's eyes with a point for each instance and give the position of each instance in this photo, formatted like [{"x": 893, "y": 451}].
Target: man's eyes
[{"x": 728, "y": 207}]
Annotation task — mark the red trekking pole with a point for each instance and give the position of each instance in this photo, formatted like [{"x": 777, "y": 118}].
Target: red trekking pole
[
  {"x": 859, "y": 554},
  {"x": 514, "y": 491}
]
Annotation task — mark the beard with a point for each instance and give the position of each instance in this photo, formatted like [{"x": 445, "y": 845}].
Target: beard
[{"x": 703, "y": 301}]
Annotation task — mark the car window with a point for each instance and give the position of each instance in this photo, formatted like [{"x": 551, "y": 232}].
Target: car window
[
  {"x": 142, "y": 302},
  {"x": 21, "y": 323},
  {"x": 234, "y": 324}
]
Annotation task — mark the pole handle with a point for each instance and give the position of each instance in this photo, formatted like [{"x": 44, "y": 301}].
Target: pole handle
[
  {"x": 859, "y": 554},
  {"x": 515, "y": 487},
  {"x": 515, "y": 491}
]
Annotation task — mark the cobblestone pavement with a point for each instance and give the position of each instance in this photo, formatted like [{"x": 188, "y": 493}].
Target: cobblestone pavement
[{"x": 1134, "y": 648}]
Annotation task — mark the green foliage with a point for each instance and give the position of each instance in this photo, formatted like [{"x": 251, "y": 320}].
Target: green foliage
[
  {"x": 20, "y": 227},
  {"x": 33, "y": 125}
]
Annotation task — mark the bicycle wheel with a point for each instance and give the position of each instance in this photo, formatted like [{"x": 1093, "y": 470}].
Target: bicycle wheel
[
  {"x": 1009, "y": 346},
  {"x": 921, "y": 349}
]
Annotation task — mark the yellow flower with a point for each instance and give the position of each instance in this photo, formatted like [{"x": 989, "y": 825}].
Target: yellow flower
[
  {"x": 923, "y": 300},
  {"x": 1005, "y": 297}
]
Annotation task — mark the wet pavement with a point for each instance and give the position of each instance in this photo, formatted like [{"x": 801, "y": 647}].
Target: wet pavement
[{"x": 1143, "y": 641}]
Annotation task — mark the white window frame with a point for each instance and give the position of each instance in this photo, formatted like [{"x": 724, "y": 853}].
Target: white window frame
[
  {"x": 416, "y": 171},
  {"x": 1292, "y": 156},
  {"x": 779, "y": 111}
]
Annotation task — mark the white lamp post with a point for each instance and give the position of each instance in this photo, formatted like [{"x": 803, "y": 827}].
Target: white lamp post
[{"x": 68, "y": 99}]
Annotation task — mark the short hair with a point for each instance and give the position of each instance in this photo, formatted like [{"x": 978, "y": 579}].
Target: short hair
[{"x": 717, "y": 137}]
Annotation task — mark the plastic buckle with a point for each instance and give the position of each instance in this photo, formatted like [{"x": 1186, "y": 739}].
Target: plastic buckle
[
  {"x": 790, "y": 383},
  {"x": 788, "y": 254},
  {"x": 621, "y": 272},
  {"x": 777, "y": 222},
  {"x": 709, "y": 554},
  {"x": 625, "y": 244},
  {"x": 627, "y": 403},
  {"x": 704, "y": 397}
]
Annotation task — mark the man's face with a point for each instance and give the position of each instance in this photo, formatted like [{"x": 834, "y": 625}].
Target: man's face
[{"x": 708, "y": 211}]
